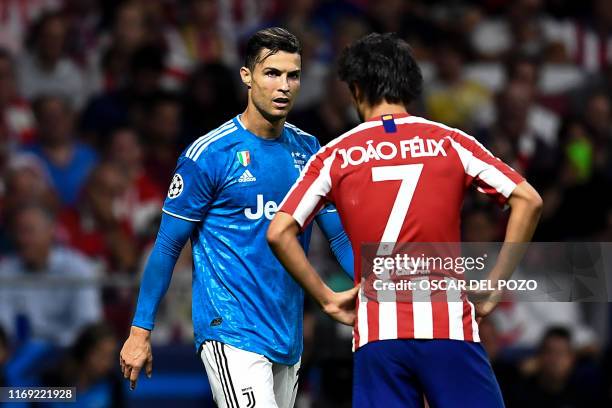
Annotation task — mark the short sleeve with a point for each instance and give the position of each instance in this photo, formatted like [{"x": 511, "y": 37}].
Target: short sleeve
[
  {"x": 191, "y": 191},
  {"x": 489, "y": 174}
]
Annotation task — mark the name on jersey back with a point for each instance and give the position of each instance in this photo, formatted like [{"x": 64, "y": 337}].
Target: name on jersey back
[{"x": 385, "y": 150}]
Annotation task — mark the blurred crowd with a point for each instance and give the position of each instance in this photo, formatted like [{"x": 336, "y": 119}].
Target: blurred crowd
[{"x": 98, "y": 99}]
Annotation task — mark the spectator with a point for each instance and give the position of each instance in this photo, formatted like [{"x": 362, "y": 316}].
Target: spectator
[
  {"x": 91, "y": 367},
  {"x": 451, "y": 98},
  {"x": 17, "y": 16},
  {"x": 120, "y": 106},
  {"x": 519, "y": 29},
  {"x": 160, "y": 127},
  {"x": 202, "y": 38},
  {"x": 68, "y": 161},
  {"x": 554, "y": 383},
  {"x": 109, "y": 62},
  {"x": 50, "y": 312},
  {"x": 95, "y": 228},
  {"x": 140, "y": 204},
  {"x": 26, "y": 180},
  {"x": 45, "y": 68},
  {"x": 331, "y": 117},
  {"x": 16, "y": 118},
  {"x": 525, "y": 70},
  {"x": 212, "y": 89},
  {"x": 585, "y": 42},
  {"x": 512, "y": 139}
]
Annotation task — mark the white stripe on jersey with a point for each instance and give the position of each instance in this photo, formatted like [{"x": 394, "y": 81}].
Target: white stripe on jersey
[
  {"x": 298, "y": 130},
  {"x": 455, "y": 310},
  {"x": 387, "y": 309},
  {"x": 475, "y": 334},
  {"x": 318, "y": 189},
  {"x": 212, "y": 140},
  {"x": 362, "y": 316},
  {"x": 422, "y": 313},
  {"x": 484, "y": 171},
  {"x": 180, "y": 216},
  {"x": 203, "y": 139}
]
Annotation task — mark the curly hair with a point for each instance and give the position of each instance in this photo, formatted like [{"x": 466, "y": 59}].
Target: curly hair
[{"x": 383, "y": 68}]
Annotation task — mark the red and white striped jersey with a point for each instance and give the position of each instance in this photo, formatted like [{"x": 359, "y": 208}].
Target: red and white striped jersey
[{"x": 401, "y": 179}]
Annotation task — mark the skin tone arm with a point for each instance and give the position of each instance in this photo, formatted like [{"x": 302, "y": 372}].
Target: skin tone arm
[
  {"x": 282, "y": 238},
  {"x": 525, "y": 208}
]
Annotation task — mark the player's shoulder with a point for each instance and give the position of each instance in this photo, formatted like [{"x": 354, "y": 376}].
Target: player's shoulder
[
  {"x": 213, "y": 141},
  {"x": 302, "y": 137}
]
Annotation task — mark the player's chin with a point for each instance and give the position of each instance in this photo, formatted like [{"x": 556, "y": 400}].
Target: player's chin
[{"x": 277, "y": 113}]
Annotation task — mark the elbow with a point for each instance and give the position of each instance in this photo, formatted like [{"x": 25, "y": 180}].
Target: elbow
[
  {"x": 527, "y": 198},
  {"x": 274, "y": 234},
  {"x": 537, "y": 203}
]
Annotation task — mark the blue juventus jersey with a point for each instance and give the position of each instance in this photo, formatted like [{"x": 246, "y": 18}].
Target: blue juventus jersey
[{"x": 230, "y": 182}]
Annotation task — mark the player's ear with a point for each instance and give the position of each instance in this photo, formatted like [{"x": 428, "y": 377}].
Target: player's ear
[
  {"x": 356, "y": 92},
  {"x": 245, "y": 75}
]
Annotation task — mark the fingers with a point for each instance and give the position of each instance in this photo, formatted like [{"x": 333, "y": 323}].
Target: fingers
[
  {"x": 149, "y": 367},
  {"x": 134, "y": 377}
]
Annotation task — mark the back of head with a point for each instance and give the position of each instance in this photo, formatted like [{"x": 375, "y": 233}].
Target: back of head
[{"x": 383, "y": 68}]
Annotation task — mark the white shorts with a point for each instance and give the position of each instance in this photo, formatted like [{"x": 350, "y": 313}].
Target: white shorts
[{"x": 242, "y": 379}]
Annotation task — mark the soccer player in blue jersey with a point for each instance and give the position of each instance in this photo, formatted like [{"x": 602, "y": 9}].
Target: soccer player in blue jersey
[{"x": 247, "y": 311}]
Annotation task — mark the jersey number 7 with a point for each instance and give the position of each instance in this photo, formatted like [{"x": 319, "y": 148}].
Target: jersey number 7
[{"x": 409, "y": 175}]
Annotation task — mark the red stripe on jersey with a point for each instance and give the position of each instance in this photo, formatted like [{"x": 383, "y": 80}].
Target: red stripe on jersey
[
  {"x": 372, "y": 308},
  {"x": 439, "y": 311},
  {"x": 405, "y": 320}
]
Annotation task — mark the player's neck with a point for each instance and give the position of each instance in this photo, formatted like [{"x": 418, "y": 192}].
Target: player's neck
[
  {"x": 371, "y": 111},
  {"x": 256, "y": 123}
]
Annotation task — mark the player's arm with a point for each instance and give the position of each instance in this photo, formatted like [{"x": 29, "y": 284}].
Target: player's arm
[
  {"x": 329, "y": 222},
  {"x": 500, "y": 181},
  {"x": 191, "y": 191},
  {"x": 282, "y": 238},
  {"x": 525, "y": 209},
  {"x": 136, "y": 352},
  {"x": 299, "y": 207}
]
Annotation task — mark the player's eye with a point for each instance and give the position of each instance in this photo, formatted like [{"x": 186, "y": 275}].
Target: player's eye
[
  {"x": 272, "y": 74},
  {"x": 294, "y": 75}
]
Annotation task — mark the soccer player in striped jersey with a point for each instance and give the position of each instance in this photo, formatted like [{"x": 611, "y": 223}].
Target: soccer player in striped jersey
[
  {"x": 399, "y": 179},
  {"x": 247, "y": 311}
]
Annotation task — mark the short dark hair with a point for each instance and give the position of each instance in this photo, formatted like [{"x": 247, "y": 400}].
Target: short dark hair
[
  {"x": 555, "y": 332},
  {"x": 383, "y": 68},
  {"x": 274, "y": 39}
]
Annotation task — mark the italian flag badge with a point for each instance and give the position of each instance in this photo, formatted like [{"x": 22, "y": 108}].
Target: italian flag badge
[{"x": 244, "y": 157}]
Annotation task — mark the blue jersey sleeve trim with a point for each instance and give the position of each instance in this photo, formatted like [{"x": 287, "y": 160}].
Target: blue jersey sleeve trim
[{"x": 180, "y": 216}]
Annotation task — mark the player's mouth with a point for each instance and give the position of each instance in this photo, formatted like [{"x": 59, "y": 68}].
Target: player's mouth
[{"x": 280, "y": 103}]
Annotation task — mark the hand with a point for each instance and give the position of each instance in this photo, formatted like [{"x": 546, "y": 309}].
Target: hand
[
  {"x": 135, "y": 354},
  {"x": 341, "y": 306},
  {"x": 485, "y": 302}
]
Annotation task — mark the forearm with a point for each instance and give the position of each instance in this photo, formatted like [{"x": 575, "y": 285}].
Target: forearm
[
  {"x": 339, "y": 243},
  {"x": 282, "y": 238},
  {"x": 525, "y": 208},
  {"x": 173, "y": 233}
]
